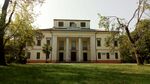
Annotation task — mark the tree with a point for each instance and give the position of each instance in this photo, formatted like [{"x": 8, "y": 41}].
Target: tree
[
  {"x": 121, "y": 25},
  {"x": 6, "y": 18},
  {"x": 47, "y": 49}
]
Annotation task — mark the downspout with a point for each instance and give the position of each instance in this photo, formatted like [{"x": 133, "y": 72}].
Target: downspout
[{"x": 95, "y": 46}]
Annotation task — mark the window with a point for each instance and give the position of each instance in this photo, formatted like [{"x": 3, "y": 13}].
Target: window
[
  {"x": 107, "y": 44},
  {"x": 107, "y": 54},
  {"x": 116, "y": 55},
  {"x": 84, "y": 45},
  {"x": 99, "y": 55},
  {"x": 72, "y": 24},
  {"x": 28, "y": 55},
  {"x": 99, "y": 42},
  {"x": 73, "y": 45},
  {"x": 38, "y": 55},
  {"x": 83, "y": 24},
  {"x": 116, "y": 43},
  {"x": 60, "y": 24},
  {"x": 61, "y": 45},
  {"x": 38, "y": 42},
  {"x": 48, "y": 42}
]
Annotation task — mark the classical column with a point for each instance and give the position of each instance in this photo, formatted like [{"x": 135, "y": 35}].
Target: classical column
[
  {"x": 67, "y": 49},
  {"x": 54, "y": 48},
  {"x": 80, "y": 50},
  {"x": 92, "y": 49}
]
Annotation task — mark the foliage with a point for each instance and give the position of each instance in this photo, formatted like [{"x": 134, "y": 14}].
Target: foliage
[
  {"x": 123, "y": 26},
  {"x": 47, "y": 50},
  {"x": 8, "y": 9}
]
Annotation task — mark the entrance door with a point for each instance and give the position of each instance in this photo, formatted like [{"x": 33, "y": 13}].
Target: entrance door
[
  {"x": 73, "y": 56},
  {"x": 61, "y": 57},
  {"x": 85, "y": 57}
]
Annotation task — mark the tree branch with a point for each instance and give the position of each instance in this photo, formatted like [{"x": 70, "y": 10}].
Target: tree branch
[{"x": 9, "y": 20}]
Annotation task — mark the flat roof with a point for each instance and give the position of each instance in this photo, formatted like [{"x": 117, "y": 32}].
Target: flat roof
[
  {"x": 79, "y": 30},
  {"x": 70, "y": 20}
]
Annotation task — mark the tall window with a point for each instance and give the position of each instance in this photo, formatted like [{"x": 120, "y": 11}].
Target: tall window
[
  {"x": 116, "y": 55},
  {"x": 73, "y": 45},
  {"x": 107, "y": 43},
  {"x": 107, "y": 55},
  {"x": 38, "y": 55},
  {"x": 48, "y": 41},
  {"x": 99, "y": 55},
  {"x": 60, "y": 24},
  {"x": 61, "y": 45},
  {"x": 99, "y": 42},
  {"x": 73, "y": 24},
  {"x": 38, "y": 42},
  {"x": 28, "y": 55},
  {"x": 84, "y": 45},
  {"x": 83, "y": 24},
  {"x": 116, "y": 43}
]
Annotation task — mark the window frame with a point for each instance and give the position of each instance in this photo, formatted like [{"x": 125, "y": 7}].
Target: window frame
[
  {"x": 108, "y": 55},
  {"x": 83, "y": 23},
  {"x": 99, "y": 55},
  {"x": 98, "y": 42},
  {"x": 38, "y": 42},
  {"x": 60, "y": 24},
  {"x": 116, "y": 56},
  {"x": 38, "y": 55}
]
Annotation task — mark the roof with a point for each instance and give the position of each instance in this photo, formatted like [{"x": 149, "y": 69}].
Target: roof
[
  {"x": 70, "y": 20},
  {"x": 79, "y": 30}
]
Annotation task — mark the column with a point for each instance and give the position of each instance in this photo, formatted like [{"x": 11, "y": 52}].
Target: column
[
  {"x": 54, "y": 48},
  {"x": 67, "y": 49},
  {"x": 80, "y": 50},
  {"x": 92, "y": 49}
]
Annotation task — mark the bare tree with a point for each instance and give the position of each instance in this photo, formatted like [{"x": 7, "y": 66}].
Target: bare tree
[{"x": 121, "y": 24}]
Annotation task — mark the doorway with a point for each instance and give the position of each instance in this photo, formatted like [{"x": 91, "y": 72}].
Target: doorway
[
  {"x": 61, "y": 57},
  {"x": 73, "y": 56},
  {"x": 85, "y": 57}
]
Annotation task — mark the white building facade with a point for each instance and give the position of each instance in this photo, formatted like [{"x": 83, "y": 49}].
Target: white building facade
[{"x": 74, "y": 41}]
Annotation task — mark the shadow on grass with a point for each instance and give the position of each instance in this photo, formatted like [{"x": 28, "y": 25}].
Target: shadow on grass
[{"x": 70, "y": 74}]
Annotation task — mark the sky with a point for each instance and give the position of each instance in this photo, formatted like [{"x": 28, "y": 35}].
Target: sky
[{"x": 82, "y": 9}]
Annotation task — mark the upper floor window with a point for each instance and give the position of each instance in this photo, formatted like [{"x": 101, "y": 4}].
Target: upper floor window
[
  {"x": 38, "y": 42},
  {"x": 48, "y": 40},
  {"x": 60, "y": 24},
  {"x": 38, "y": 55},
  {"x": 116, "y": 43},
  {"x": 73, "y": 24},
  {"x": 83, "y": 24},
  {"x": 99, "y": 42},
  {"x": 99, "y": 55},
  {"x": 107, "y": 55}
]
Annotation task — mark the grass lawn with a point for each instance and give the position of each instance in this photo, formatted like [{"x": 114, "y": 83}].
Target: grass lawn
[{"x": 75, "y": 74}]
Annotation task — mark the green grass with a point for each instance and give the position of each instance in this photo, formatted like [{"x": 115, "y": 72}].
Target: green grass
[{"x": 75, "y": 74}]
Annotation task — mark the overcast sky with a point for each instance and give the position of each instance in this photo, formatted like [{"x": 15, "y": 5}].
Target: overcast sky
[{"x": 83, "y": 9}]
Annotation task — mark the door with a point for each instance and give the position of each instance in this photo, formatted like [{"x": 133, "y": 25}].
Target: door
[
  {"x": 85, "y": 57},
  {"x": 73, "y": 56},
  {"x": 61, "y": 57}
]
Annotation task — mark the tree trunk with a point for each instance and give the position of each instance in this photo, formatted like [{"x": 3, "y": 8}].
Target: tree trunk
[
  {"x": 139, "y": 58},
  {"x": 2, "y": 33},
  {"x": 2, "y": 52}
]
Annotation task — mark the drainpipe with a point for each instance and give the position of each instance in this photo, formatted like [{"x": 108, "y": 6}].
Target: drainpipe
[{"x": 95, "y": 46}]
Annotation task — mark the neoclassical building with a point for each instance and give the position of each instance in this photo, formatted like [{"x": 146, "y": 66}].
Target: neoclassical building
[{"x": 73, "y": 41}]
